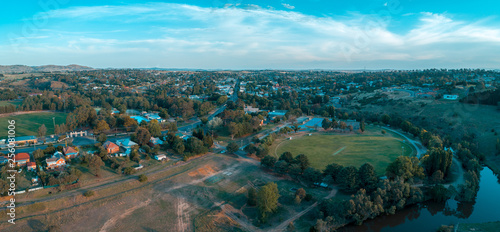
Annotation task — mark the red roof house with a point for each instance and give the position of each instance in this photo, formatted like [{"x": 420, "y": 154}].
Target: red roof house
[{"x": 22, "y": 159}]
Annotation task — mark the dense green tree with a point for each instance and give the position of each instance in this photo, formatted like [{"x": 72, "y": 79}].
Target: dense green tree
[
  {"x": 287, "y": 156},
  {"x": 154, "y": 128},
  {"x": 96, "y": 164},
  {"x": 347, "y": 178},
  {"x": 303, "y": 161},
  {"x": 438, "y": 159},
  {"x": 252, "y": 197},
  {"x": 367, "y": 177},
  {"x": 281, "y": 166},
  {"x": 142, "y": 136},
  {"x": 42, "y": 130},
  {"x": 267, "y": 200},
  {"x": 101, "y": 126},
  {"x": 405, "y": 167},
  {"x": 268, "y": 161},
  {"x": 232, "y": 147},
  {"x": 312, "y": 175},
  {"x": 326, "y": 124},
  {"x": 102, "y": 138},
  {"x": 333, "y": 170}
]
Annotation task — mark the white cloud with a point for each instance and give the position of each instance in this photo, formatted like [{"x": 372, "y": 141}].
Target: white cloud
[
  {"x": 245, "y": 36},
  {"x": 288, "y": 6}
]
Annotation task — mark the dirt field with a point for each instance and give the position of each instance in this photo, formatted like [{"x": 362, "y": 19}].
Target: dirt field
[{"x": 208, "y": 194}]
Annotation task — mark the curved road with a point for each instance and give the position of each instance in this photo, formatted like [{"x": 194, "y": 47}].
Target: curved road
[{"x": 416, "y": 144}]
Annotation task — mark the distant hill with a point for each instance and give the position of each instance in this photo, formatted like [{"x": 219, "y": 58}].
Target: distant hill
[{"x": 8, "y": 69}]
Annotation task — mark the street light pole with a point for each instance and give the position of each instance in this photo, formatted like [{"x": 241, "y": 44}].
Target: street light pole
[{"x": 54, "y": 120}]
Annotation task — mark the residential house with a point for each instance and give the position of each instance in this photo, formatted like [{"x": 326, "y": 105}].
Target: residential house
[
  {"x": 31, "y": 166},
  {"x": 56, "y": 161},
  {"x": 155, "y": 116},
  {"x": 26, "y": 140},
  {"x": 250, "y": 109},
  {"x": 160, "y": 157},
  {"x": 126, "y": 144},
  {"x": 155, "y": 141},
  {"x": 111, "y": 147},
  {"x": 277, "y": 113},
  {"x": 22, "y": 159},
  {"x": 70, "y": 152},
  {"x": 450, "y": 97}
]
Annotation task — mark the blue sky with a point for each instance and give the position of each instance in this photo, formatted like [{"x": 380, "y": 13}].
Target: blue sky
[{"x": 237, "y": 34}]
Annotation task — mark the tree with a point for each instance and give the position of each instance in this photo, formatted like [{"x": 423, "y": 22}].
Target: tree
[
  {"x": 362, "y": 126},
  {"x": 101, "y": 126},
  {"x": 232, "y": 147},
  {"x": 234, "y": 129},
  {"x": 333, "y": 170},
  {"x": 154, "y": 128},
  {"x": 281, "y": 167},
  {"x": 214, "y": 123},
  {"x": 347, "y": 178},
  {"x": 38, "y": 154},
  {"x": 42, "y": 130},
  {"x": 268, "y": 161},
  {"x": 287, "y": 156},
  {"x": 367, "y": 177},
  {"x": 295, "y": 127},
  {"x": 405, "y": 167},
  {"x": 438, "y": 159},
  {"x": 102, "y": 138},
  {"x": 142, "y": 136},
  {"x": 164, "y": 114},
  {"x": 300, "y": 194},
  {"x": 312, "y": 175},
  {"x": 252, "y": 197},
  {"x": 326, "y": 124},
  {"x": 267, "y": 200},
  {"x": 385, "y": 119},
  {"x": 303, "y": 161},
  {"x": 96, "y": 164}
]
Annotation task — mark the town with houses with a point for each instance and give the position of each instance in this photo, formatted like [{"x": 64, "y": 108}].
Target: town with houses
[{"x": 96, "y": 126}]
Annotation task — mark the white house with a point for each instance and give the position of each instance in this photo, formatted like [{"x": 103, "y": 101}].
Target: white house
[
  {"x": 160, "y": 157},
  {"x": 450, "y": 97}
]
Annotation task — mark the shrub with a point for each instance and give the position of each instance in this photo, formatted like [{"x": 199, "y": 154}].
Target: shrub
[
  {"x": 128, "y": 171},
  {"x": 143, "y": 178},
  {"x": 88, "y": 193}
]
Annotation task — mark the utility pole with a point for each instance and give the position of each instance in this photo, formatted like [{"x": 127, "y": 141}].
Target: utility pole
[{"x": 54, "y": 120}]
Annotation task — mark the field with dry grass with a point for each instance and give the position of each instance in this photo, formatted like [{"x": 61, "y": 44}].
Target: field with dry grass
[{"x": 205, "y": 194}]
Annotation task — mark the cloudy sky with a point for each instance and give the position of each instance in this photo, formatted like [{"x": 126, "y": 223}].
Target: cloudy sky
[{"x": 266, "y": 34}]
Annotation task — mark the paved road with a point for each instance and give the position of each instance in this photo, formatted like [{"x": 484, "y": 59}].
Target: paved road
[{"x": 190, "y": 127}]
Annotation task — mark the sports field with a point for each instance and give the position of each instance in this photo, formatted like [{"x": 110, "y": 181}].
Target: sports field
[
  {"x": 28, "y": 124},
  {"x": 346, "y": 149}
]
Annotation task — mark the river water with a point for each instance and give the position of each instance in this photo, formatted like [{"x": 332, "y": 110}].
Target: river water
[{"x": 429, "y": 216}]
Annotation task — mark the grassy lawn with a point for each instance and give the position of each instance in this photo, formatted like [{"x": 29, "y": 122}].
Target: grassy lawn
[
  {"x": 479, "y": 227},
  {"x": 346, "y": 149},
  {"x": 7, "y": 103},
  {"x": 28, "y": 124}
]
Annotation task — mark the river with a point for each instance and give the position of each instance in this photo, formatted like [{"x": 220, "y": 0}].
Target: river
[{"x": 429, "y": 216}]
